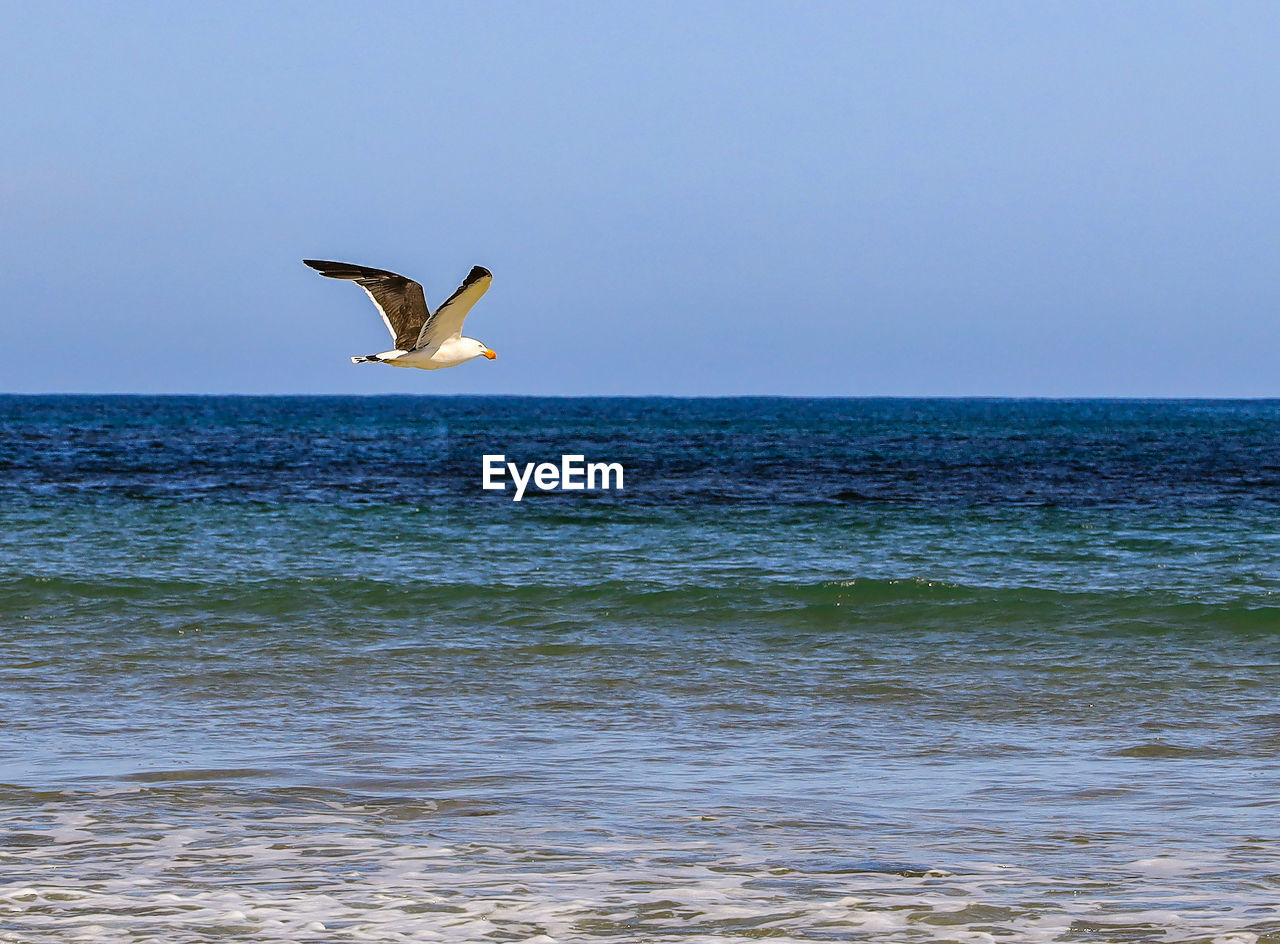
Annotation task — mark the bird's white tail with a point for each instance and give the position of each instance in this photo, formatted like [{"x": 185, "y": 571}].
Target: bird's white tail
[{"x": 369, "y": 359}]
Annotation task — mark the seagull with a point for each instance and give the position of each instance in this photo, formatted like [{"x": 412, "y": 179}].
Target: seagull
[{"x": 422, "y": 339}]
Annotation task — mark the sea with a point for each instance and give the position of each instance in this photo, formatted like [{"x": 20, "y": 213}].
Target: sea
[{"x": 888, "y": 670}]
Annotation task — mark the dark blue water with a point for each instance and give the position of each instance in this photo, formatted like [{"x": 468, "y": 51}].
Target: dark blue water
[{"x": 280, "y": 669}]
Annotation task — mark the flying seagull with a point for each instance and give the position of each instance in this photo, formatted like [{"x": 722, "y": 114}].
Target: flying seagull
[{"x": 422, "y": 339}]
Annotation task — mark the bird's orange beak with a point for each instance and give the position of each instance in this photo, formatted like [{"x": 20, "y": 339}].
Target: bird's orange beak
[{"x": 490, "y": 354}]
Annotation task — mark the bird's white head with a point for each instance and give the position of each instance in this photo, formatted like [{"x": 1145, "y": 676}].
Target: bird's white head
[{"x": 477, "y": 349}]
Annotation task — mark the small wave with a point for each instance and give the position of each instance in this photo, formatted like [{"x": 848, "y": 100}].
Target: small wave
[
  {"x": 225, "y": 866},
  {"x": 907, "y": 603},
  {"x": 196, "y": 775},
  {"x": 1166, "y": 750}
]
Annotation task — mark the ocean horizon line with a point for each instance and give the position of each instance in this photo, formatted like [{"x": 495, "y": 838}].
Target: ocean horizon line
[{"x": 930, "y": 398}]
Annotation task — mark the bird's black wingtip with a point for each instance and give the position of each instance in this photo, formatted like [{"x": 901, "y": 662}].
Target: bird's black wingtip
[
  {"x": 477, "y": 272},
  {"x": 340, "y": 270},
  {"x": 349, "y": 270}
]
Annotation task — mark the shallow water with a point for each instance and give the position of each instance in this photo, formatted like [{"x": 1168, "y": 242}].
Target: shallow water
[{"x": 278, "y": 669}]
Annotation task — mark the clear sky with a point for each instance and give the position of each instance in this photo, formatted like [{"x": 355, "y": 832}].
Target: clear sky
[{"x": 1051, "y": 199}]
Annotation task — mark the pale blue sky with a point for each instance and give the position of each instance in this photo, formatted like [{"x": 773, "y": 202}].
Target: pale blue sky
[{"x": 689, "y": 198}]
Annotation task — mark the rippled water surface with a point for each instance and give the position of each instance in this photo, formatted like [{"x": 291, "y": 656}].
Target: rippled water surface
[{"x": 277, "y": 669}]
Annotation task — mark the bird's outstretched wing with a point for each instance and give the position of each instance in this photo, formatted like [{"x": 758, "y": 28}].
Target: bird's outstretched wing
[
  {"x": 399, "y": 300},
  {"x": 447, "y": 321}
]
